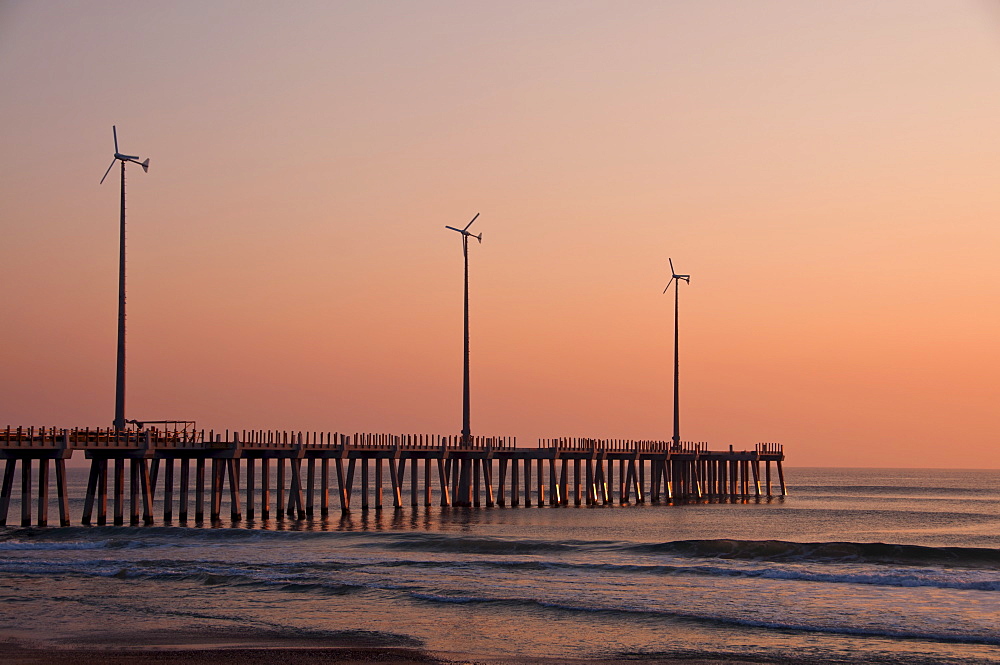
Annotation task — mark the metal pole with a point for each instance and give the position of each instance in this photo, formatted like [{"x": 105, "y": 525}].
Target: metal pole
[
  {"x": 120, "y": 375},
  {"x": 677, "y": 411},
  {"x": 466, "y": 430}
]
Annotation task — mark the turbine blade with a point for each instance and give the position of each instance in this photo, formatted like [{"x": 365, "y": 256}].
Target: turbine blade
[
  {"x": 470, "y": 223},
  {"x": 107, "y": 172},
  {"x": 668, "y": 284},
  {"x": 115, "y": 131},
  {"x": 453, "y": 229},
  {"x": 671, "y": 266}
]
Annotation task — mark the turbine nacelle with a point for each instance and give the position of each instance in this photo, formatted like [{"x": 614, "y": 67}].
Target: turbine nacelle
[
  {"x": 124, "y": 158},
  {"x": 465, "y": 231},
  {"x": 674, "y": 277}
]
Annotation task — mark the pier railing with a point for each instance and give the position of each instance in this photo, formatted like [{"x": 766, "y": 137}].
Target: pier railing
[
  {"x": 582, "y": 444},
  {"x": 153, "y": 437}
]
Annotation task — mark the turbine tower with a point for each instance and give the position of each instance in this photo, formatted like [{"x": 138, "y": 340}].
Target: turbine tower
[
  {"x": 674, "y": 277},
  {"x": 119, "y": 423},
  {"x": 466, "y": 431}
]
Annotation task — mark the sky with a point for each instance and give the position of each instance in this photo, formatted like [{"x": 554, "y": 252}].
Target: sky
[{"x": 826, "y": 172}]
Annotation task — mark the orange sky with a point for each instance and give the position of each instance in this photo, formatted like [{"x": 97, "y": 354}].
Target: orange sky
[{"x": 826, "y": 172}]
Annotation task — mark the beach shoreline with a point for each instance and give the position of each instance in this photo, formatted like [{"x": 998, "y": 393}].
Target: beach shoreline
[{"x": 18, "y": 652}]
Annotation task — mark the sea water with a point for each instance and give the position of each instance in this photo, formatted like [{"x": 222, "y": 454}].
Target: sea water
[{"x": 855, "y": 565}]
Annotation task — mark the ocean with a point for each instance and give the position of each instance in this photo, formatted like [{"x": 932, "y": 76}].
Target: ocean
[{"x": 855, "y": 565}]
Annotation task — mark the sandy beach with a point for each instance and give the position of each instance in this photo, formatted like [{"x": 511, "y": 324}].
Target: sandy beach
[{"x": 19, "y": 654}]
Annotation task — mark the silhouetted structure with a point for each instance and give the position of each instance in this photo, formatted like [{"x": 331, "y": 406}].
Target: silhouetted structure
[
  {"x": 119, "y": 422},
  {"x": 675, "y": 279},
  {"x": 463, "y": 489},
  {"x": 648, "y": 470}
]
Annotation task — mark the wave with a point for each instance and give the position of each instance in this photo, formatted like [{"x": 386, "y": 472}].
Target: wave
[
  {"x": 990, "y": 639},
  {"x": 182, "y": 571},
  {"x": 838, "y": 552},
  {"x": 906, "y": 578},
  {"x": 859, "y": 491}
]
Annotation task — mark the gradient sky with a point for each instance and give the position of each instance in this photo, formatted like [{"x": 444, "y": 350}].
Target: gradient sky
[{"x": 825, "y": 171}]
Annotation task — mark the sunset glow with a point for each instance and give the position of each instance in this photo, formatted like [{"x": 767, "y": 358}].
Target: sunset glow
[{"x": 826, "y": 173}]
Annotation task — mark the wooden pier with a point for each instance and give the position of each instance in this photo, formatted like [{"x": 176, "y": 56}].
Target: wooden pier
[{"x": 306, "y": 467}]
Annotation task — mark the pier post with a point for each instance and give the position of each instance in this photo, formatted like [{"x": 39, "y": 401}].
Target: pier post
[
  {"x": 463, "y": 496},
  {"x": 364, "y": 483},
  {"x": 102, "y": 494},
  {"x": 351, "y": 466},
  {"x": 414, "y": 472},
  {"x": 295, "y": 506},
  {"x": 476, "y": 468},
  {"x": 234, "y": 489},
  {"x": 640, "y": 496},
  {"x": 515, "y": 486},
  {"x": 43, "y": 492},
  {"x": 767, "y": 477},
  {"x": 168, "y": 490},
  {"x": 146, "y": 487},
  {"x": 62, "y": 492},
  {"x": 250, "y": 488},
  {"x": 488, "y": 481},
  {"x": 622, "y": 482},
  {"x": 265, "y": 488},
  {"x": 396, "y": 472},
  {"x": 577, "y": 484},
  {"x": 119, "y": 491},
  {"x": 182, "y": 509},
  {"x": 609, "y": 480},
  {"x": 8, "y": 487},
  {"x": 88, "y": 502},
  {"x": 310, "y": 485},
  {"x": 133, "y": 490},
  {"x": 540, "y": 482},
  {"x": 345, "y": 500},
  {"x": 216, "y": 499},
  {"x": 564, "y": 483},
  {"x": 501, "y": 478},
  {"x": 199, "y": 490},
  {"x": 527, "y": 482},
  {"x": 324, "y": 493},
  {"x": 443, "y": 479},
  {"x": 696, "y": 480},
  {"x": 25, "y": 492},
  {"x": 279, "y": 490},
  {"x": 427, "y": 482},
  {"x": 781, "y": 478},
  {"x": 555, "y": 497}
]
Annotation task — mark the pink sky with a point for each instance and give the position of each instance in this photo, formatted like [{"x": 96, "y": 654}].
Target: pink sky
[{"x": 825, "y": 171}]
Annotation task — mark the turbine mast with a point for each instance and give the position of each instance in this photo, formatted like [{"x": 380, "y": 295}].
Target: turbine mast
[
  {"x": 119, "y": 423},
  {"x": 466, "y": 428},
  {"x": 677, "y": 400},
  {"x": 675, "y": 280}
]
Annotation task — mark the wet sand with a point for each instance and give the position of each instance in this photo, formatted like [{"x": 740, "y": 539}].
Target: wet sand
[{"x": 17, "y": 653}]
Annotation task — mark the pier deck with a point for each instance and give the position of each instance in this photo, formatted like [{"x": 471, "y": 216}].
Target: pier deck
[{"x": 421, "y": 469}]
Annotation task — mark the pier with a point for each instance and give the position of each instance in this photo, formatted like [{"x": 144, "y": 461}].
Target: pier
[{"x": 291, "y": 475}]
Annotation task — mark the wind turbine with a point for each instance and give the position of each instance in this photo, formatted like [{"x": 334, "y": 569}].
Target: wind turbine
[
  {"x": 119, "y": 423},
  {"x": 674, "y": 277},
  {"x": 466, "y": 431}
]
